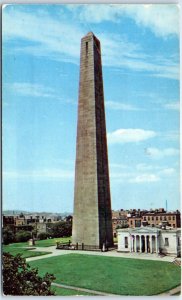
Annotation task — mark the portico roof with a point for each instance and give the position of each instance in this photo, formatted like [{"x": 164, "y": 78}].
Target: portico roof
[{"x": 140, "y": 230}]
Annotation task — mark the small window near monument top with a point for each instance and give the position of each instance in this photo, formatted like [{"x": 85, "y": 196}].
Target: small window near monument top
[
  {"x": 166, "y": 242},
  {"x": 86, "y": 47}
]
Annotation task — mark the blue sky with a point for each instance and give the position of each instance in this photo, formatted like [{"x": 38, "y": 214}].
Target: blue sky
[{"x": 140, "y": 56}]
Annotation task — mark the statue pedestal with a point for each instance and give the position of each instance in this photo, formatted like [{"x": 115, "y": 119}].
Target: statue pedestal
[{"x": 31, "y": 242}]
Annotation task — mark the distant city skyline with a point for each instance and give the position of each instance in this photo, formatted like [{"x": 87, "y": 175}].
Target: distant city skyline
[{"x": 41, "y": 55}]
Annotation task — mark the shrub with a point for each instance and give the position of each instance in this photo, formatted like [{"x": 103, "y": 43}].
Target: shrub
[
  {"x": 43, "y": 236},
  {"x": 20, "y": 279},
  {"x": 8, "y": 236},
  {"x": 60, "y": 229},
  {"x": 23, "y": 236}
]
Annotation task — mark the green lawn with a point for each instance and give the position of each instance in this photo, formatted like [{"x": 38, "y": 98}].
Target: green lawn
[
  {"x": 51, "y": 242},
  {"x": 42, "y": 243},
  {"x": 25, "y": 252},
  {"x": 112, "y": 275},
  {"x": 67, "y": 292},
  {"x": 23, "y": 248}
]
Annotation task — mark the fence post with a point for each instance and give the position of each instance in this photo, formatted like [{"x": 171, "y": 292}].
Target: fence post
[
  {"x": 76, "y": 246},
  {"x": 82, "y": 246}
]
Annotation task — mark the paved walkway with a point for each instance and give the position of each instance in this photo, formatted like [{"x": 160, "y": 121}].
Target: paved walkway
[
  {"x": 169, "y": 293},
  {"x": 172, "y": 292},
  {"x": 70, "y": 287},
  {"x": 113, "y": 253}
]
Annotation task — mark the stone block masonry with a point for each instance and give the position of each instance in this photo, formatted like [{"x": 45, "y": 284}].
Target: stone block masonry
[{"x": 92, "y": 220}]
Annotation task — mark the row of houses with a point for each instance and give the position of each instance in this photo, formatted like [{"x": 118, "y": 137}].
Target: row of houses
[
  {"x": 38, "y": 223},
  {"x": 140, "y": 218},
  {"x": 120, "y": 219}
]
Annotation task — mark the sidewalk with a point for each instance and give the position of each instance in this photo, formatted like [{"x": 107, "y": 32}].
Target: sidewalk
[
  {"x": 172, "y": 292},
  {"x": 113, "y": 253},
  {"x": 95, "y": 293}
]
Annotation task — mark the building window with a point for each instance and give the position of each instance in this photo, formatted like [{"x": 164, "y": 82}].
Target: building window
[
  {"x": 173, "y": 217},
  {"x": 86, "y": 47},
  {"x": 126, "y": 241},
  {"x": 161, "y": 218},
  {"x": 144, "y": 218},
  {"x": 152, "y": 218},
  {"x": 169, "y": 217},
  {"x": 137, "y": 223},
  {"x": 156, "y": 218},
  {"x": 166, "y": 242},
  {"x": 131, "y": 222},
  {"x": 164, "y": 218},
  {"x": 148, "y": 218}
]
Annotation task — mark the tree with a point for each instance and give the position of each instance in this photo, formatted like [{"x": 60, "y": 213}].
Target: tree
[
  {"x": 43, "y": 235},
  {"x": 23, "y": 236},
  {"x": 8, "y": 236},
  {"x": 20, "y": 279},
  {"x": 60, "y": 229}
]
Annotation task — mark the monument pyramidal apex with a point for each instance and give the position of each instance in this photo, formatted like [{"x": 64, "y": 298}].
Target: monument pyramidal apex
[{"x": 92, "y": 220}]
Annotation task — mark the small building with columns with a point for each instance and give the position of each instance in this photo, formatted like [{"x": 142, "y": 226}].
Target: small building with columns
[{"x": 150, "y": 240}]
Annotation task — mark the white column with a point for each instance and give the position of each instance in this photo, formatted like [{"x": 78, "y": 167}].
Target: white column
[
  {"x": 140, "y": 239},
  {"x": 157, "y": 247},
  {"x": 130, "y": 241},
  {"x": 135, "y": 244},
  {"x": 150, "y": 243},
  {"x": 145, "y": 244}
]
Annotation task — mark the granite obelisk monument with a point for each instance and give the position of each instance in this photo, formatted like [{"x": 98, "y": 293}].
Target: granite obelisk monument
[{"x": 92, "y": 219}]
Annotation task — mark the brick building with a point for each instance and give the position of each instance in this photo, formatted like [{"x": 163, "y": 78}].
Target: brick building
[{"x": 172, "y": 219}]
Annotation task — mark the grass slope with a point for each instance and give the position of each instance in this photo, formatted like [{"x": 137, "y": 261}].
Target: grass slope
[
  {"x": 25, "y": 252},
  {"x": 23, "y": 248},
  {"x": 112, "y": 275},
  {"x": 42, "y": 243},
  {"x": 51, "y": 242}
]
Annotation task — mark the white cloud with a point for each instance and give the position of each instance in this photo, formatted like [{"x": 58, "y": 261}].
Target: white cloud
[
  {"x": 170, "y": 135},
  {"x": 142, "y": 173},
  {"x": 119, "y": 53},
  {"x": 158, "y": 153},
  {"x": 145, "y": 178},
  {"x": 51, "y": 37},
  {"x": 162, "y": 20},
  {"x": 167, "y": 171},
  {"x": 45, "y": 174},
  {"x": 129, "y": 135},
  {"x": 120, "y": 106},
  {"x": 32, "y": 89},
  {"x": 146, "y": 167},
  {"x": 118, "y": 165},
  {"x": 46, "y": 36},
  {"x": 172, "y": 106}
]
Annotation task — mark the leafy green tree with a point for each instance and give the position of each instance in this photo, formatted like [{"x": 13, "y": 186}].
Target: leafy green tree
[
  {"x": 60, "y": 229},
  {"x": 23, "y": 236},
  {"x": 8, "y": 236},
  {"x": 43, "y": 235},
  {"x": 20, "y": 279}
]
